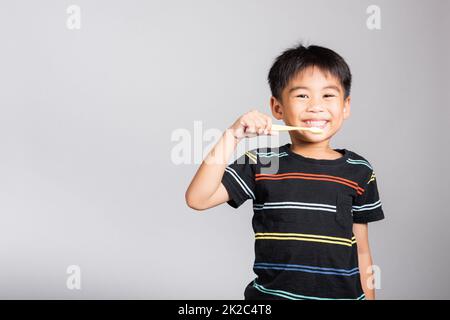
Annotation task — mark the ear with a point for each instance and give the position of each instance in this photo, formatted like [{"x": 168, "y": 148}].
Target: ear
[
  {"x": 347, "y": 107},
  {"x": 276, "y": 107}
]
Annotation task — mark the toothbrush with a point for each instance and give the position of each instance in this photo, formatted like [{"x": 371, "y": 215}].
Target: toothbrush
[{"x": 278, "y": 127}]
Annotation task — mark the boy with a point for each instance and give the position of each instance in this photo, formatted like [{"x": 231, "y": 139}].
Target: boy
[{"x": 311, "y": 214}]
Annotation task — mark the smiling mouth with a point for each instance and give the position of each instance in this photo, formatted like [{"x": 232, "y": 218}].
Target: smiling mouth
[{"x": 316, "y": 123}]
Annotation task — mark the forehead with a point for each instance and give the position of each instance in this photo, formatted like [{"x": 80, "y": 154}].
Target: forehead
[{"x": 314, "y": 77}]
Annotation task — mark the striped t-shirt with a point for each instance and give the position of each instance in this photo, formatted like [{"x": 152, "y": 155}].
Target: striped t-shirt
[{"x": 304, "y": 209}]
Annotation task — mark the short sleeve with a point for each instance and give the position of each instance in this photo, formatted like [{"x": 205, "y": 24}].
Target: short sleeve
[
  {"x": 367, "y": 206},
  {"x": 239, "y": 179}
]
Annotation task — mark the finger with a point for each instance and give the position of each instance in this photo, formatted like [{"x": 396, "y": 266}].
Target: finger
[
  {"x": 259, "y": 125},
  {"x": 245, "y": 123},
  {"x": 251, "y": 126},
  {"x": 265, "y": 122},
  {"x": 272, "y": 132},
  {"x": 268, "y": 125}
]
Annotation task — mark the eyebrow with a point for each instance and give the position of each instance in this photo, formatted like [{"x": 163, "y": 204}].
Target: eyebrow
[
  {"x": 333, "y": 87},
  {"x": 306, "y": 88}
]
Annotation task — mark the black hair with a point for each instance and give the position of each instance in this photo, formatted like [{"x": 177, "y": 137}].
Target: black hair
[{"x": 297, "y": 59}]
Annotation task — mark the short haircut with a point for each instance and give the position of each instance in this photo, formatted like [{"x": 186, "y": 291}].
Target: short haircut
[{"x": 297, "y": 59}]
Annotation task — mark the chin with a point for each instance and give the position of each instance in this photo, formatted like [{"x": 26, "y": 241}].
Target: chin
[
  {"x": 305, "y": 138},
  {"x": 317, "y": 140},
  {"x": 311, "y": 137}
]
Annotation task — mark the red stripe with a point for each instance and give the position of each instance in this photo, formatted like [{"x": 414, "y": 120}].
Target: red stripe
[
  {"x": 285, "y": 176},
  {"x": 308, "y": 175}
]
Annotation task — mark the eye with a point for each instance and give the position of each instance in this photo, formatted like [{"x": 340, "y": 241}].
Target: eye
[
  {"x": 303, "y": 96},
  {"x": 329, "y": 95}
]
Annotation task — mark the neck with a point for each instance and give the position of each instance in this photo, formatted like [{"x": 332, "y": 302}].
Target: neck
[{"x": 313, "y": 150}]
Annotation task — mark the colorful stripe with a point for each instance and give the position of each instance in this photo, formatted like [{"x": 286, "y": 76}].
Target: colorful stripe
[
  {"x": 294, "y": 205},
  {"x": 372, "y": 178},
  {"x": 310, "y": 176},
  {"x": 241, "y": 182},
  {"x": 251, "y": 156},
  {"x": 366, "y": 207},
  {"x": 362, "y": 162},
  {"x": 293, "y": 296},
  {"x": 304, "y": 237},
  {"x": 309, "y": 269},
  {"x": 271, "y": 154}
]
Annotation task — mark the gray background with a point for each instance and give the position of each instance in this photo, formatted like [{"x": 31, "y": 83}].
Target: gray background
[{"x": 86, "y": 175}]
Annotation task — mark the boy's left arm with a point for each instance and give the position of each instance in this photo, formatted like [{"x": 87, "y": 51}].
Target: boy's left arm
[{"x": 361, "y": 232}]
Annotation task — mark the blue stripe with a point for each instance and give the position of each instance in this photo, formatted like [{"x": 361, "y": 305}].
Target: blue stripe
[
  {"x": 271, "y": 154},
  {"x": 308, "y": 271},
  {"x": 365, "y": 163},
  {"x": 293, "y": 296},
  {"x": 328, "y": 271},
  {"x": 308, "y": 267}
]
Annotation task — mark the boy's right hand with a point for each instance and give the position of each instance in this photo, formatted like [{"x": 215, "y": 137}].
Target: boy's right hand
[{"x": 251, "y": 124}]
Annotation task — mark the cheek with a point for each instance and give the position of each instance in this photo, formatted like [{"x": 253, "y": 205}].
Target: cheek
[
  {"x": 336, "y": 111},
  {"x": 294, "y": 110},
  {"x": 338, "y": 120},
  {"x": 297, "y": 103},
  {"x": 337, "y": 117}
]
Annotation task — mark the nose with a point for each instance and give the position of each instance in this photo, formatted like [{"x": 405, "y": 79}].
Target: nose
[{"x": 315, "y": 107}]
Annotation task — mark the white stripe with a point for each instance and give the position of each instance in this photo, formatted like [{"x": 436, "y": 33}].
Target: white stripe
[
  {"x": 241, "y": 182},
  {"x": 353, "y": 161},
  {"x": 271, "y": 154},
  {"x": 357, "y": 160},
  {"x": 293, "y": 207},
  {"x": 365, "y": 208},
  {"x": 296, "y": 203},
  {"x": 368, "y": 204}
]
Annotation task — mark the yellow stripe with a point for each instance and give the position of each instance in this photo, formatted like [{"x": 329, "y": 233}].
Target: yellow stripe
[
  {"x": 305, "y": 239},
  {"x": 251, "y": 156},
  {"x": 303, "y": 235}
]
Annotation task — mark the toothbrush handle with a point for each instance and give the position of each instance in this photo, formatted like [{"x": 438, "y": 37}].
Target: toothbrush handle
[{"x": 278, "y": 127}]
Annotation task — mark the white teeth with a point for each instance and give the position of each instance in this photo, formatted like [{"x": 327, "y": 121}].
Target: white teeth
[{"x": 316, "y": 123}]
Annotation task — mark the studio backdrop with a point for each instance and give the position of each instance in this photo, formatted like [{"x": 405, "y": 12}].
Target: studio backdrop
[{"x": 98, "y": 98}]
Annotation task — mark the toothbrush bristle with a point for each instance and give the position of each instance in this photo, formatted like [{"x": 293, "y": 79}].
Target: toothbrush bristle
[{"x": 316, "y": 130}]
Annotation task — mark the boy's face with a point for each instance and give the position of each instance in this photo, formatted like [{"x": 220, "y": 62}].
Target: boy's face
[{"x": 312, "y": 95}]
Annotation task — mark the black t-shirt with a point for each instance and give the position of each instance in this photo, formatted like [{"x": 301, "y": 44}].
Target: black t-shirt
[{"x": 304, "y": 210}]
